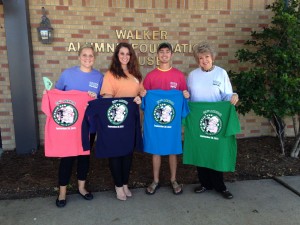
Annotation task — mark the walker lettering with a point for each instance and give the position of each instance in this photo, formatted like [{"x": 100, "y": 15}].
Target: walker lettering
[
  {"x": 141, "y": 35},
  {"x": 144, "y": 48}
]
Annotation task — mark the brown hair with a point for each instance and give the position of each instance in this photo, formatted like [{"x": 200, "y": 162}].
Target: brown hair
[{"x": 133, "y": 64}]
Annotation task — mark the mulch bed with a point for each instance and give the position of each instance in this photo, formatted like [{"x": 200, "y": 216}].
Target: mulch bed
[{"x": 26, "y": 176}]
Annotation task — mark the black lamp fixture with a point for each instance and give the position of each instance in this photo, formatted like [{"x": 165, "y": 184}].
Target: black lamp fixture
[{"x": 45, "y": 31}]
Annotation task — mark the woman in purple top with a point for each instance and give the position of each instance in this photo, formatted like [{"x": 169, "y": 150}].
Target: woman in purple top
[{"x": 81, "y": 78}]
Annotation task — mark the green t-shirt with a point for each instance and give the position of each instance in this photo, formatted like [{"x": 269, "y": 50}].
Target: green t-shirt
[{"x": 209, "y": 135}]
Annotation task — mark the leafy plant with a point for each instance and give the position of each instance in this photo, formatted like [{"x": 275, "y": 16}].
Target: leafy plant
[{"x": 271, "y": 85}]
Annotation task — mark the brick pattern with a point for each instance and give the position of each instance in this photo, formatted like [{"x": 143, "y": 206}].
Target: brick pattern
[
  {"x": 226, "y": 24},
  {"x": 190, "y": 4},
  {"x": 6, "y": 116}
]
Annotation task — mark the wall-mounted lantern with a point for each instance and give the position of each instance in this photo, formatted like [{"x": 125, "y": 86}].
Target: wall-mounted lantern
[{"x": 45, "y": 31}]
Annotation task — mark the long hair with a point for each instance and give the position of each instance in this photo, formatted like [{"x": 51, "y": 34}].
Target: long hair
[{"x": 133, "y": 64}]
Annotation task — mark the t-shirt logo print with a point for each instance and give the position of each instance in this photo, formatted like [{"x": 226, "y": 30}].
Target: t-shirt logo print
[
  {"x": 164, "y": 113},
  {"x": 117, "y": 113},
  {"x": 210, "y": 124},
  {"x": 65, "y": 115}
]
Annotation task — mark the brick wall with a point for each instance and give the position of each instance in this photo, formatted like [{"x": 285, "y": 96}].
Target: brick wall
[
  {"x": 226, "y": 24},
  {"x": 6, "y": 116}
]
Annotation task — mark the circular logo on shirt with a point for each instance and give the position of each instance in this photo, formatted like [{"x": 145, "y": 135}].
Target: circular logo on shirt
[
  {"x": 164, "y": 113},
  {"x": 117, "y": 113},
  {"x": 65, "y": 115},
  {"x": 210, "y": 124}
]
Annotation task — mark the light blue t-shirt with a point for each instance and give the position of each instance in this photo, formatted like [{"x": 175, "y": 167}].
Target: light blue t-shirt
[
  {"x": 212, "y": 86},
  {"x": 163, "y": 111},
  {"x": 75, "y": 79}
]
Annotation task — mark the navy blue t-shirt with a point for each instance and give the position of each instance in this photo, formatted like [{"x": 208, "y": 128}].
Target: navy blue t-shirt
[{"x": 118, "y": 127}]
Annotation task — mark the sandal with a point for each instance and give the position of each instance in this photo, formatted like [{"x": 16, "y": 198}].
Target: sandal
[
  {"x": 151, "y": 189},
  {"x": 177, "y": 189}
]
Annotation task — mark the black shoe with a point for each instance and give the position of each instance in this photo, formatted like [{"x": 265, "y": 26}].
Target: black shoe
[
  {"x": 199, "y": 189},
  {"x": 88, "y": 196},
  {"x": 61, "y": 203},
  {"x": 226, "y": 194}
]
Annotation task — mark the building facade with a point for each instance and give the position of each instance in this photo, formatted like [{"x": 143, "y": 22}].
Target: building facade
[{"x": 225, "y": 23}]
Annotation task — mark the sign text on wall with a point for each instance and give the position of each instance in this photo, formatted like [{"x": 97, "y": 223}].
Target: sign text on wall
[{"x": 141, "y": 48}]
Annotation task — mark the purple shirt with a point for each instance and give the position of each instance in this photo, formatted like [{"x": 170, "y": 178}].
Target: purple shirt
[{"x": 75, "y": 79}]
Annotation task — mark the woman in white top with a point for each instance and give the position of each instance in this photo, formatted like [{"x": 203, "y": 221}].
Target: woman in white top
[{"x": 210, "y": 83}]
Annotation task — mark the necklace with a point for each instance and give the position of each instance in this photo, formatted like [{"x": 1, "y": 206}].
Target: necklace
[{"x": 210, "y": 69}]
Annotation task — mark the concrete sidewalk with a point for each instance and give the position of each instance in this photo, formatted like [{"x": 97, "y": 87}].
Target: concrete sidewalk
[{"x": 255, "y": 202}]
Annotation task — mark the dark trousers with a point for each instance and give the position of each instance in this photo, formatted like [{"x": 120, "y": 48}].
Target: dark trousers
[
  {"x": 92, "y": 140},
  {"x": 211, "y": 179},
  {"x": 66, "y": 165},
  {"x": 120, "y": 169},
  {"x": 65, "y": 168}
]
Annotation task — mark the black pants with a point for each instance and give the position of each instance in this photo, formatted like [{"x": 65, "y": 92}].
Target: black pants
[
  {"x": 92, "y": 140},
  {"x": 211, "y": 179},
  {"x": 65, "y": 168},
  {"x": 66, "y": 165},
  {"x": 120, "y": 169}
]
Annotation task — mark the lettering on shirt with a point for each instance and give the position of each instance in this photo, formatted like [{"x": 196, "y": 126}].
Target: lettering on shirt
[
  {"x": 68, "y": 101},
  {"x": 165, "y": 100},
  {"x": 121, "y": 126},
  {"x": 217, "y": 83},
  {"x": 65, "y": 128},
  {"x": 120, "y": 100},
  {"x": 161, "y": 126},
  {"x": 93, "y": 84},
  {"x": 173, "y": 85},
  {"x": 208, "y": 137}
]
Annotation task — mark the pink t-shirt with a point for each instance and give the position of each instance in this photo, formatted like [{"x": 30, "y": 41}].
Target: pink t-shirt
[
  {"x": 65, "y": 112},
  {"x": 171, "y": 79}
]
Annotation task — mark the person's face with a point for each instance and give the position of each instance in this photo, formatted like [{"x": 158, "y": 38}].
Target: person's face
[
  {"x": 87, "y": 58},
  {"x": 164, "y": 55},
  {"x": 124, "y": 56},
  {"x": 205, "y": 60}
]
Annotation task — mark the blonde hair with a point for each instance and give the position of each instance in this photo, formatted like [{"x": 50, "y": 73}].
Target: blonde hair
[
  {"x": 203, "y": 47},
  {"x": 86, "y": 45}
]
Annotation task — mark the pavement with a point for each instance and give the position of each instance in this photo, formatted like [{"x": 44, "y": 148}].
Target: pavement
[{"x": 255, "y": 202}]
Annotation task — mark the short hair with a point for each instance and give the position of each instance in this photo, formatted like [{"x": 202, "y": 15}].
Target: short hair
[
  {"x": 203, "y": 47},
  {"x": 86, "y": 45},
  {"x": 164, "y": 45}
]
